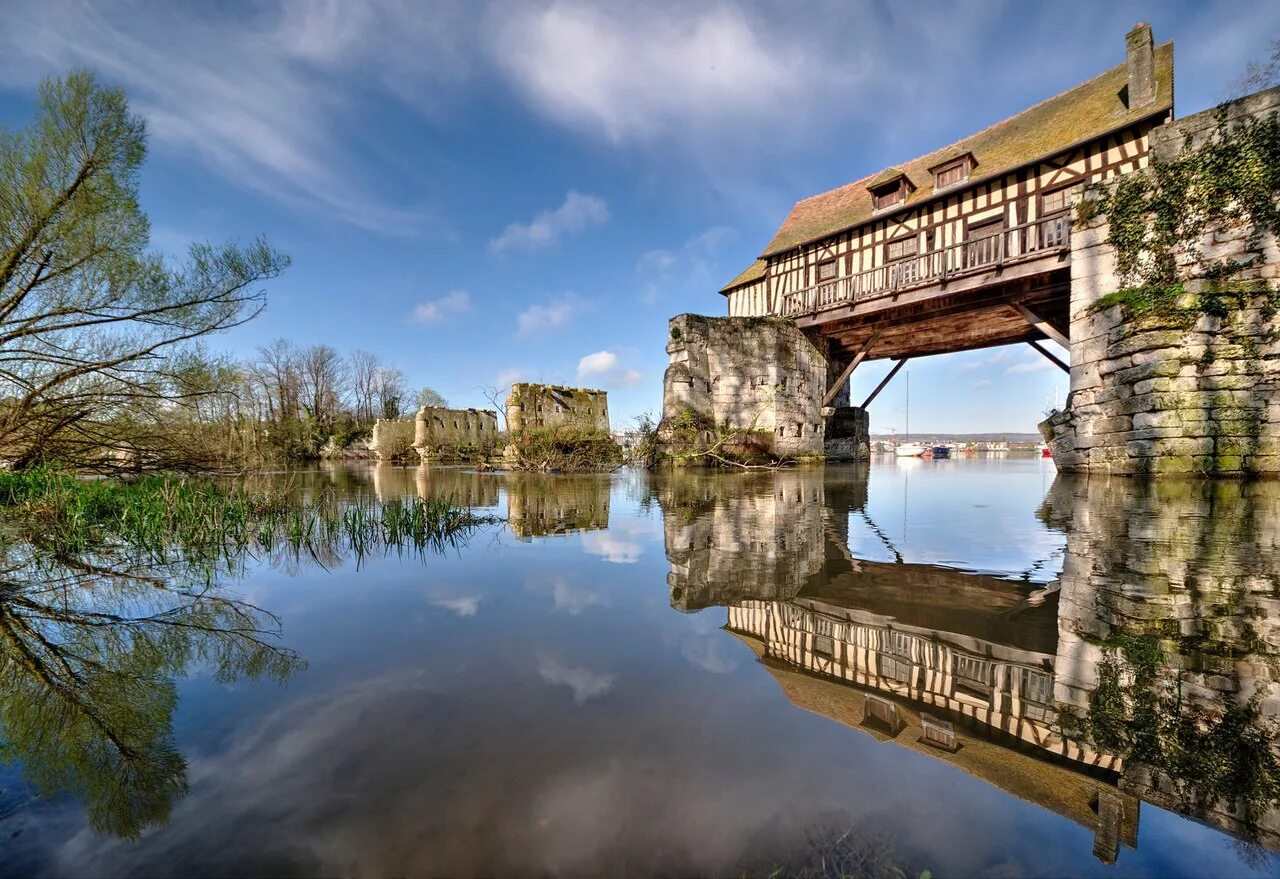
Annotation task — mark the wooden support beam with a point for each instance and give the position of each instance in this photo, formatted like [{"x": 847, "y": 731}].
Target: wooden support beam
[
  {"x": 848, "y": 370},
  {"x": 884, "y": 381},
  {"x": 1047, "y": 353},
  {"x": 1042, "y": 325}
]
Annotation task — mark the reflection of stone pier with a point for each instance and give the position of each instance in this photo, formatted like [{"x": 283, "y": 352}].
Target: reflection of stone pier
[
  {"x": 1170, "y": 602},
  {"x": 757, "y": 537},
  {"x": 539, "y": 505},
  {"x": 1150, "y": 662}
]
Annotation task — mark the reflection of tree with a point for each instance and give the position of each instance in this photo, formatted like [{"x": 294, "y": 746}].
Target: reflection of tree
[{"x": 89, "y": 650}]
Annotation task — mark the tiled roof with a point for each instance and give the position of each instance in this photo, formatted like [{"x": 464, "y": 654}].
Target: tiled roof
[
  {"x": 1088, "y": 111},
  {"x": 753, "y": 272}
]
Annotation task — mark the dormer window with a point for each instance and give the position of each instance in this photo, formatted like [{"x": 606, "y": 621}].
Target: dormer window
[
  {"x": 952, "y": 172},
  {"x": 890, "y": 195},
  {"x": 889, "y": 189}
]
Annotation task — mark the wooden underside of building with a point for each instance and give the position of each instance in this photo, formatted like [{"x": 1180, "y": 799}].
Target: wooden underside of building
[{"x": 1028, "y": 307}]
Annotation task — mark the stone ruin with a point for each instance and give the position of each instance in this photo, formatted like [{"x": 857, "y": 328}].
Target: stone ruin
[
  {"x": 437, "y": 435},
  {"x": 760, "y": 376},
  {"x": 533, "y": 406}
]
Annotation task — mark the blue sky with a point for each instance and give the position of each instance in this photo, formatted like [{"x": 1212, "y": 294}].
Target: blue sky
[{"x": 483, "y": 191}]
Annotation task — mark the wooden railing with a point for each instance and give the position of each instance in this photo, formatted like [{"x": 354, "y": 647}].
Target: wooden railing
[{"x": 986, "y": 254}]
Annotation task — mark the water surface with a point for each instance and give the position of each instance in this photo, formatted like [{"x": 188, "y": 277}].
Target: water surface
[{"x": 963, "y": 666}]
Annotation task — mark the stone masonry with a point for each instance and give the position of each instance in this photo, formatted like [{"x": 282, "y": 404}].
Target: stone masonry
[
  {"x": 392, "y": 439},
  {"x": 436, "y": 434},
  {"x": 1160, "y": 394},
  {"x": 449, "y": 434},
  {"x": 755, "y": 374},
  {"x": 532, "y": 406}
]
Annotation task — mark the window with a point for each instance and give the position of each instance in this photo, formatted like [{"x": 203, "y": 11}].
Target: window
[
  {"x": 1035, "y": 686},
  {"x": 895, "y": 669},
  {"x": 824, "y": 646},
  {"x": 950, "y": 175},
  {"x": 888, "y": 196},
  {"x": 1058, "y": 200},
  {"x": 901, "y": 249},
  {"x": 826, "y": 270}
]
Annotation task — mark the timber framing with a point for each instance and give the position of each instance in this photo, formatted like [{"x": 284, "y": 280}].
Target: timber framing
[{"x": 977, "y": 252}]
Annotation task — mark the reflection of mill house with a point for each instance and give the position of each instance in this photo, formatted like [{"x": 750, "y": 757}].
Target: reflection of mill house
[
  {"x": 984, "y": 706},
  {"x": 969, "y": 245}
]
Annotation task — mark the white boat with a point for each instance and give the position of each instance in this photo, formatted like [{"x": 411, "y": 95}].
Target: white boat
[{"x": 908, "y": 450}]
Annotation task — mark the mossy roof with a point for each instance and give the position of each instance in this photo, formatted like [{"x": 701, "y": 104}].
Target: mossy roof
[
  {"x": 1088, "y": 111},
  {"x": 753, "y": 272}
]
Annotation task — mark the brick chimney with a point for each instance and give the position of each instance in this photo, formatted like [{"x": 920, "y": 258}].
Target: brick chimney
[{"x": 1141, "y": 62}]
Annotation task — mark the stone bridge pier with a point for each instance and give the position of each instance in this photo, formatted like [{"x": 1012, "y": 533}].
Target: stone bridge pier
[{"x": 1190, "y": 388}]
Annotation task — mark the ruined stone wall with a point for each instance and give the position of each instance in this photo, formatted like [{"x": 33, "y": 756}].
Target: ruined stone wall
[
  {"x": 753, "y": 374},
  {"x": 533, "y": 406},
  {"x": 392, "y": 439},
  {"x": 447, "y": 434},
  {"x": 1194, "y": 389}
]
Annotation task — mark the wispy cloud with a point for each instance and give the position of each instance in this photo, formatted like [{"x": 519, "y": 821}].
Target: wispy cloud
[
  {"x": 1030, "y": 366},
  {"x": 691, "y": 270},
  {"x": 576, "y": 214},
  {"x": 439, "y": 310},
  {"x": 265, "y": 99},
  {"x": 553, "y": 315},
  {"x": 631, "y": 73},
  {"x": 585, "y": 683}
]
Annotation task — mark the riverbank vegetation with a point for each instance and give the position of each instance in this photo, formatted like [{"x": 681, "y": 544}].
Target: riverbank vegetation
[{"x": 104, "y": 357}]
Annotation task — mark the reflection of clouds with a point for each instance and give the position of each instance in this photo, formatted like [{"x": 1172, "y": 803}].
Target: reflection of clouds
[
  {"x": 708, "y": 653},
  {"x": 455, "y": 600},
  {"x": 569, "y": 596},
  {"x": 585, "y": 683},
  {"x": 572, "y": 598},
  {"x": 612, "y": 548}
]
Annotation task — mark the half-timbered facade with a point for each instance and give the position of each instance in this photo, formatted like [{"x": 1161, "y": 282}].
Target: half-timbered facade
[{"x": 969, "y": 245}]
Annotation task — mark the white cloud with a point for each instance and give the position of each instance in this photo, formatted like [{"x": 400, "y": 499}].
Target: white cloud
[
  {"x": 584, "y": 683},
  {"x": 576, "y": 214},
  {"x": 635, "y": 73},
  {"x": 599, "y": 363},
  {"x": 982, "y": 383},
  {"x": 605, "y": 368},
  {"x": 438, "y": 310},
  {"x": 552, "y": 315}
]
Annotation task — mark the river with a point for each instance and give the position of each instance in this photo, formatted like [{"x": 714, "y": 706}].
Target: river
[{"x": 966, "y": 667}]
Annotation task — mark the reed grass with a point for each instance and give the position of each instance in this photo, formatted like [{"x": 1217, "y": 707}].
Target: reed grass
[{"x": 160, "y": 516}]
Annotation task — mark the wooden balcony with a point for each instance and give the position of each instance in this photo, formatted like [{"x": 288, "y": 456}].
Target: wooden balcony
[{"x": 1044, "y": 242}]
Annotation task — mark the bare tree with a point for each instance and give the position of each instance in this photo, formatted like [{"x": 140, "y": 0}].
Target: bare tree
[
  {"x": 89, "y": 319},
  {"x": 1258, "y": 75},
  {"x": 323, "y": 374},
  {"x": 364, "y": 368},
  {"x": 392, "y": 389}
]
